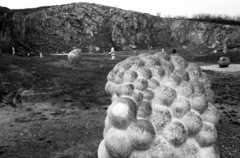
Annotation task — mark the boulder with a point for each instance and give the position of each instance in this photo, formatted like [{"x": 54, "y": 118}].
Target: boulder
[
  {"x": 75, "y": 56},
  {"x": 224, "y": 62}
]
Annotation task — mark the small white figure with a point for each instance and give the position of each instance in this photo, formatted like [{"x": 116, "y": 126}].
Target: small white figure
[
  {"x": 112, "y": 53},
  {"x": 215, "y": 51},
  {"x": 40, "y": 55},
  {"x": 200, "y": 52},
  {"x": 163, "y": 50},
  {"x": 13, "y": 50}
]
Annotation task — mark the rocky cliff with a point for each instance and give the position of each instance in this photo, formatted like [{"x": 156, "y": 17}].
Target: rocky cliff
[{"x": 88, "y": 26}]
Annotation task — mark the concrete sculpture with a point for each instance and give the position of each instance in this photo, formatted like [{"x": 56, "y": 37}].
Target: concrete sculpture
[
  {"x": 224, "y": 62},
  {"x": 75, "y": 56},
  {"x": 162, "y": 107}
]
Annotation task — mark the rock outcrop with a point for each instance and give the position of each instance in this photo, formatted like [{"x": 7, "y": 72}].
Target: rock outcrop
[{"x": 90, "y": 26}]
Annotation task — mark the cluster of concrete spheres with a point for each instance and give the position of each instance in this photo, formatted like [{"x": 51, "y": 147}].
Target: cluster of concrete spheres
[{"x": 162, "y": 107}]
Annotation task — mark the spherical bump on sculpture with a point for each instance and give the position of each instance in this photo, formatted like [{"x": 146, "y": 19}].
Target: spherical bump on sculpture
[
  {"x": 119, "y": 77},
  {"x": 122, "y": 113},
  {"x": 127, "y": 89},
  {"x": 185, "y": 89},
  {"x": 75, "y": 56},
  {"x": 199, "y": 104},
  {"x": 151, "y": 62},
  {"x": 211, "y": 115},
  {"x": 175, "y": 133},
  {"x": 168, "y": 67},
  {"x": 144, "y": 110},
  {"x": 193, "y": 121},
  {"x": 194, "y": 71},
  {"x": 118, "y": 145},
  {"x": 144, "y": 73},
  {"x": 206, "y": 80},
  {"x": 137, "y": 96},
  {"x": 166, "y": 95},
  {"x": 179, "y": 63},
  {"x": 160, "y": 118},
  {"x": 112, "y": 74},
  {"x": 108, "y": 125},
  {"x": 161, "y": 148},
  {"x": 140, "y": 154},
  {"x": 138, "y": 63},
  {"x": 141, "y": 84},
  {"x": 148, "y": 94},
  {"x": 173, "y": 80},
  {"x": 141, "y": 134},
  {"x": 199, "y": 88},
  {"x": 102, "y": 151},
  {"x": 158, "y": 72},
  {"x": 153, "y": 83},
  {"x": 180, "y": 107},
  {"x": 130, "y": 76},
  {"x": 207, "y": 136},
  {"x": 210, "y": 95},
  {"x": 111, "y": 88},
  {"x": 210, "y": 152}
]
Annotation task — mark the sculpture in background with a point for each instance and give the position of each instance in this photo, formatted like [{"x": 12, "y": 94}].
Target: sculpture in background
[
  {"x": 75, "y": 56},
  {"x": 224, "y": 62},
  {"x": 162, "y": 107}
]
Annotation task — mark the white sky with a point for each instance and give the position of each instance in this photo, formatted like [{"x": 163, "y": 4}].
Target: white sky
[{"x": 165, "y": 7}]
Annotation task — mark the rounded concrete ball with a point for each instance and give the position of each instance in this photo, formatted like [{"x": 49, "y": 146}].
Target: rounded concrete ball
[
  {"x": 130, "y": 76},
  {"x": 185, "y": 89},
  {"x": 153, "y": 83},
  {"x": 118, "y": 145},
  {"x": 160, "y": 118},
  {"x": 112, "y": 74},
  {"x": 102, "y": 151},
  {"x": 223, "y": 62},
  {"x": 210, "y": 152},
  {"x": 161, "y": 148},
  {"x": 210, "y": 96},
  {"x": 144, "y": 73},
  {"x": 140, "y": 154},
  {"x": 168, "y": 67},
  {"x": 211, "y": 115},
  {"x": 205, "y": 79},
  {"x": 144, "y": 55},
  {"x": 207, "y": 136},
  {"x": 199, "y": 104},
  {"x": 75, "y": 56},
  {"x": 173, "y": 80},
  {"x": 165, "y": 95},
  {"x": 199, "y": 88},
  {"x": 189, "y": 149},
  {"x": 141, "y": 84},
  {"x": 137, "y": 96},
  {"x": 183, "y": 74},
  {"x": 138, "y": 63},
  {"x": 144, "y": 110},
  {"x": 193, "y": 121},
  {"x": 108, "y": 126},
  {"x": 111, "y": 88},
  {"x": 151, "y": 62},
  {"x": 119, "y": 77},
  {"x": 179, "y": 63},
  {"x": 127, "y": 89},
  {"x": 162, "y": 55},
  {"x": 180, "y": 107},
  {"x": 141, "y": 134},
  {"x": 148, "y": 94},
  {"x": 122, "y": 113},
  {"x": 175, "y": 133},
  {"x": 158, "y": 72},
  {"x": 194, "y": 71}
]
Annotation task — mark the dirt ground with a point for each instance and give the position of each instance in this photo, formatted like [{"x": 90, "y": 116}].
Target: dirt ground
[{"x": 50, "y": 109}]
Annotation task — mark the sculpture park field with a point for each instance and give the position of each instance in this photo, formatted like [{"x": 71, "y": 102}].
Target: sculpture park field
[{"x": 50, "y": 109}]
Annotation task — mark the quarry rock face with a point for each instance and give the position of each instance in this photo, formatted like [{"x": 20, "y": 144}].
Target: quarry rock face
[
  {"x": 161, "y": 107},
  {"x": 90, "y": 26}
]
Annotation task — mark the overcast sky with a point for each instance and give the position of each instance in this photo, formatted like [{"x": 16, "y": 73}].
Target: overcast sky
[{"x": 165, "y": 7}]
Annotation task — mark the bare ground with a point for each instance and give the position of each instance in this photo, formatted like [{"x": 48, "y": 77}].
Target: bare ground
[{"x": 65, "y": 116}]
